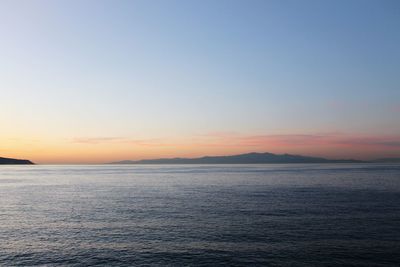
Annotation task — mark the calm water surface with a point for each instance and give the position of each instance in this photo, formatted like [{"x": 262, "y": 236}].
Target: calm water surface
[{"x": 200, "y": 215}]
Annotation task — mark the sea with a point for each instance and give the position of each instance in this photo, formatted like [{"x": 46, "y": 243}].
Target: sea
[{"x": 200, "y": 215}]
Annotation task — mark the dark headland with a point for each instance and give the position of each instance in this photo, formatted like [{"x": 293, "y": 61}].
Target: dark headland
[
  {"x": 249, "y": 158},
  {"x": 15, "y": 161}
]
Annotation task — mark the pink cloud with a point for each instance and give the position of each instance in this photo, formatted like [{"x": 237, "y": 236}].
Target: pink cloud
[
  {"x": 302, "y": 140},
  {"x": 106, "y": 140},
  {"x": 324, "y": 144},
  {"x": 95, "y": 140},
  {"x": 151, "y": 142}
]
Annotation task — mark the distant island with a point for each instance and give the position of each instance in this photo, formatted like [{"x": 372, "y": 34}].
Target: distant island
[
  {"x": 388, "y": 160},
  {"x": 15, "y": 161},
  {"x": 249, "y": 158}
]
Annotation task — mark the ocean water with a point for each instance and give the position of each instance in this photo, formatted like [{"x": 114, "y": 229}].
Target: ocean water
[{"x": 200, "y": 215}]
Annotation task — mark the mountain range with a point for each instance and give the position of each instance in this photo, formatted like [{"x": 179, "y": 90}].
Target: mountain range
[
  {"x": 249, "y": 158},
  {"x": 387, "y": 160}
]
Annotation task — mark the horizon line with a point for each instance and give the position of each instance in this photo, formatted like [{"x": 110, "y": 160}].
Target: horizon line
[{"x": 116, "y": 162}]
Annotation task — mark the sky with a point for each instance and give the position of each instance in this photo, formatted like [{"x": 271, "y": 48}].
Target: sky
[{"x": 100, "y": 81}]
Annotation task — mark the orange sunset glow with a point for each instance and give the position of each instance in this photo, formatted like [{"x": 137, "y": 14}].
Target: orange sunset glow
[
  {"x": 108, "y": 149},
  {"x": 110, "y": 86}
]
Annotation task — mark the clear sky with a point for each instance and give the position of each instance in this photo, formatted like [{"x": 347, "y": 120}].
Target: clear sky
[{"x": 98, "y": 81}]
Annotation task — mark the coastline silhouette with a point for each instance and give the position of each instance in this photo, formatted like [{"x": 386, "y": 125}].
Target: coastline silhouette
[{"x": 15, "y": 161}]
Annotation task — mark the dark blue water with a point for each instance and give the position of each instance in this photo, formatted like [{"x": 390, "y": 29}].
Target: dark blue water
[{"x": 214, "y": 215}]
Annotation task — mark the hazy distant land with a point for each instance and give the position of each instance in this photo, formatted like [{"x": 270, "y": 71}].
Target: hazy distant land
[
  {"x": 14, "y": 161},
  {"x": 249, "y": 158},
  {"x": 387, "y": 160},
  {"x": 253, "y": 158}
]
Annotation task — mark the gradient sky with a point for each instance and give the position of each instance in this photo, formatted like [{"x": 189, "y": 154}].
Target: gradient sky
[{"x": 97, "y": 81}]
